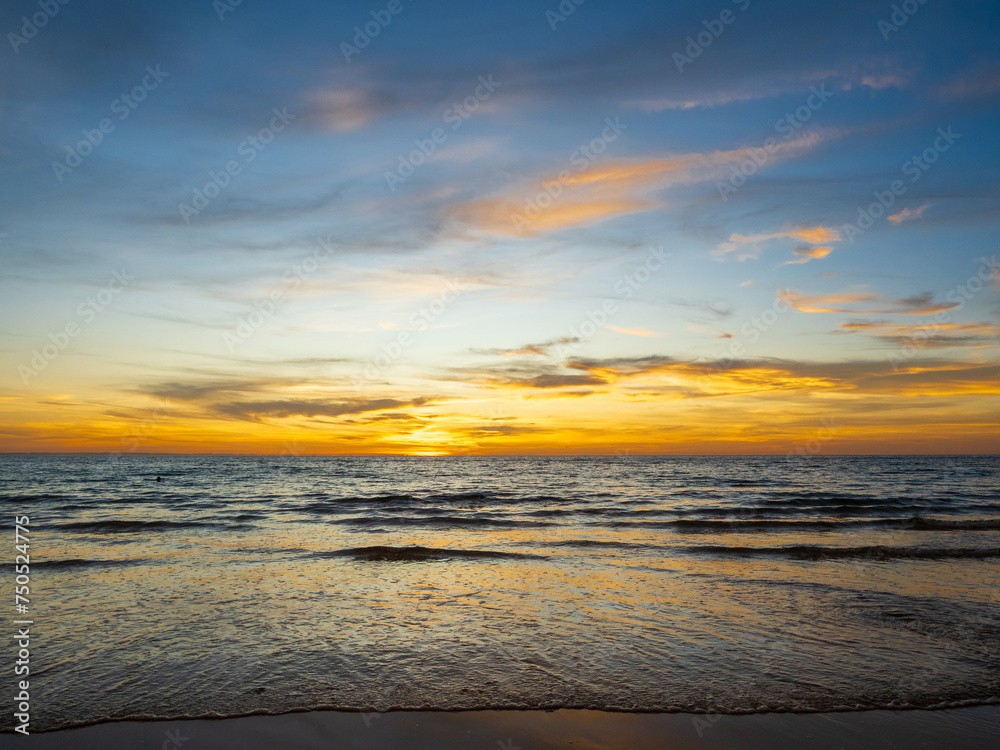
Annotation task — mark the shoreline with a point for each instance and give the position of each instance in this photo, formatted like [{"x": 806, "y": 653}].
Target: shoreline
[{"x": 971, "y": 728}]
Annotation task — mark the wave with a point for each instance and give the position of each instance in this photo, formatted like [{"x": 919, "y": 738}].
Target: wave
[
  {"x": 112, "y": 527},
  {"x": 81, "y": 563},
  {"x": 765, "y": 524},
  {"x": 416, "y": 553},
  {"x": 437, "y": 521},
  {"x": 329, "y": 504},
  {"x": 620, "y": 706},
  {"x": 602, "y": 543},
  {"x": 872, "y": 552}
]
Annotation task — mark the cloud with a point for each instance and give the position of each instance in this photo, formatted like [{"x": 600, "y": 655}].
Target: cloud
[
  {"x": 661, "y": 376},
  {"x": 539, "y": 375},
  {"x": 254, "y": 411},
  {"x": 929, "y": 335},
  {"x": 709, "y": 311},
  {"x": 749, "y": 246},
  {"x": 873, "y": 303},
  {"x": 981, "y": 83},
  {"x": 542, "y": 349},
  {"x": 806, "y": 253},
  {"x": 713, "y": 99},
  {"x": 348, "y": 109},
  {"x": 909, "y": 213},
  {"x": 201, "y": 390},
  {"x": 633, "y": 331},
  {"x": 227, "y": 398},
  {"x": 600, "y": 190}
]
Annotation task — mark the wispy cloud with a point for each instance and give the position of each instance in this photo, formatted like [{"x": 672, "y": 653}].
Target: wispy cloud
[
  {"x": 343, "y": 110},
  {"x": 749, "y": 246},
  {"x": 908, "y": 214},
  {"x": 601, "y": 190},
  {"x": 929, "y": 335},
  {"x": 982, "y": 82},
  {"x": 633, "y": 331},
  {"x": 865, "y": 303},
  {"x": 542, "y": 349},
  {"x": 805, "y": 253}
]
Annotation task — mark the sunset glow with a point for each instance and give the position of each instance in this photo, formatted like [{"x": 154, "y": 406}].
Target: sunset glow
[{"x": 561, "y": 242}]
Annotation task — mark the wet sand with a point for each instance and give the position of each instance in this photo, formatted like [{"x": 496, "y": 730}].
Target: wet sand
[{"x": 966, "y": 728}]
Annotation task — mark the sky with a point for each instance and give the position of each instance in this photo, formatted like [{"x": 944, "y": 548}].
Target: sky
[{"x": 463, "y": 228}]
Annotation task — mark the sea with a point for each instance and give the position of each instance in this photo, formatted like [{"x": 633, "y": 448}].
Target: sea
[{"x": 268, "y": 584}]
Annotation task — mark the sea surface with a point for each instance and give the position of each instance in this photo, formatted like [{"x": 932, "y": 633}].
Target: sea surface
[{"x": 727, "y": 585}]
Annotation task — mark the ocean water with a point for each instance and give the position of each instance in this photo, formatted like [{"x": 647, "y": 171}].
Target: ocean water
[{"x": 727, "y": 585}]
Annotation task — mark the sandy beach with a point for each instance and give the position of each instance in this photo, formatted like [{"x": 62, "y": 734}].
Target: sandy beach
[{"x": 966, "y": 728}]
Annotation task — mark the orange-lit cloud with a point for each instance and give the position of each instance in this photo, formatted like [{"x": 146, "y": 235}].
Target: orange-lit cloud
[
  {"x": 907, "y": 214},
  {"x": 539, "y": 404},
  {"x": 930, "y": 335},
  {"x": 347, "y": 109},
  {"x": 872, "y": 303},
  {"x": 749, "y": 246},
  {"x": 591, "y": 191},
  {"x": 805, "y": 253},
  {"x": 632, "y": 331}
]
